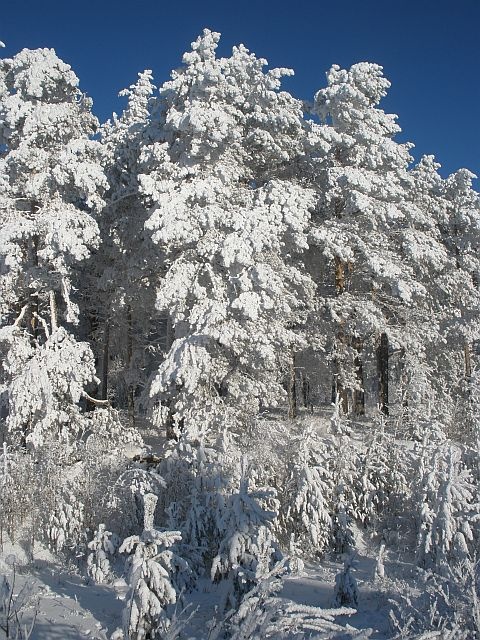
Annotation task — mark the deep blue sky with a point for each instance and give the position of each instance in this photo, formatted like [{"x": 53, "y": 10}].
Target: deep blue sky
[{"x": 430, "y": 51}]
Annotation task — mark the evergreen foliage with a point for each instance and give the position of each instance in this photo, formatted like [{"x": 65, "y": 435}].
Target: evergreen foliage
[{"x": 270, "y": 294}]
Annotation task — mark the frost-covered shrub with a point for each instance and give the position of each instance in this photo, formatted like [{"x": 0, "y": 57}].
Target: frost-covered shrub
[
  {"x": 17, "y": 482},
  {"x": 102, "y": 548},
  {"x": 307, "y": 494},
  {"x": 346, "y": 592},
  {"x": 247, "y": 550},
  {"x": 15, "y": 607},
  {"x": 262, "y": 614},
  {"x": 152, "y": 570},
  {"x": 446, "y": 510},
  {"x": 443, "y": 608}
]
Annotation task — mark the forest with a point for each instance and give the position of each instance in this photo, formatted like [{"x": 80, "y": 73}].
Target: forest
[{"x": 239, "y": 359}]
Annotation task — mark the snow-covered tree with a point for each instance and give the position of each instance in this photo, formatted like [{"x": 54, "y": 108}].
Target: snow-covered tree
[
  {"x": 361, "y": 195},
  {"x": 343, "y": 463},
  {"x": 435, "y": 365},
  {"x": 247, "y": 551},
  {"x": 346, "y": 592},
  {"x": 446, "y": 510},
  {"x": 151, "y": 568},
  {"x": 126, "y": 269},
  {"x": 378, "y": 234},
  {"x": 308, "y": 494},
  {"x": 382, "y": 480},
  {"x": 461, "y": 229},
  {"x": 102, "y": 548},
  {"x": 230, "y": 215},
  {"x": 52, "y": 181}
]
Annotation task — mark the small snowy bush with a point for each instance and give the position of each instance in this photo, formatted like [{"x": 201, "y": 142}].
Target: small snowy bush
[
  {"x": 346, "y": 592},
  {"x": 152, "y": 568},
  {"x": 247, "y": 550},
  {"x": 102, "y": 548}
]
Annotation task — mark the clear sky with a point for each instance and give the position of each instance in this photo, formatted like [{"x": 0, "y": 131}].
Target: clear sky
[{"x": 430, "y": 51}]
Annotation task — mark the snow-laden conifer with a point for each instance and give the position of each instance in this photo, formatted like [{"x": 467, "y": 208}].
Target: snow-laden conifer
[
  {"x": 52, "y": 183},
  {"x": 247, "y": 551},
  {"x": 308, "y": 495},
  {"x": 447, "y": 510},
  {"x": 101, "y": 550},
  {"x": 151, "y": 569},
  {"x": 346, "y": 591},
  {"x": 231, "y": 216},
  {"x": 361, "y": 195}
]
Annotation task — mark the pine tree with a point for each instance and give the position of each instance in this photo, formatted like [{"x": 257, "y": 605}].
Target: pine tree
[
  {"x": 231, "y": 218},
  {"x": 150, "y": 572},
  {"x": 247, "y": 552},
  {"x": 361, "y": 194},
  {"x": 308, "y": 493},
  {"x": 126, "y": 269},
  {"x": 53, "y": 182},
  {"x": 446, "y": 510}
]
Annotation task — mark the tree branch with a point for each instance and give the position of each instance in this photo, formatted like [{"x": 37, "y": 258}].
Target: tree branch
[{"x": 102, "y": 403}]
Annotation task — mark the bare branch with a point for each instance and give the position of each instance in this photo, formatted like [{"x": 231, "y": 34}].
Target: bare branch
[
  {"x": 20, "y": 316},
  {"x": 43, "y": 323}
]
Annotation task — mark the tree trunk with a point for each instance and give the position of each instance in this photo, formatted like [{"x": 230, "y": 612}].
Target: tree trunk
[
  {"x": 382, "y": 373},
  {"x": 359, "y": 393},
  {"x": 307, "y": 402},
  {"x": 170, "y": 431},
  {"x": 33, "y": 296},
  {"x": 53, "y": 311},
  {"x": 468, "y": 361},
  {"x": 338, "y": 388},
  {"x": 130, "y": 388},
  {"x": 33, "y": 304},
  {"x": 105, "y": 360},
  {"x": 292, "y": 387},
  {"x": 342, "y": 271},
  {"x": 340, "y": 275},
  {"x": 170, "y": 335}
]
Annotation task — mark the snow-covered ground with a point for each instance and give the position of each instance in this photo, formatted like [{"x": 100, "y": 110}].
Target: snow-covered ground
[
  {"x": 63, "y": 604},
  {"x": 67, "y": 606}
]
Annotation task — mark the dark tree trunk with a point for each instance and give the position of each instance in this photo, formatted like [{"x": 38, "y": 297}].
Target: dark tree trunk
[
  {"x": 292, "y": 387},
  {"x": 382, "y": 373},
  {"x": 468, "y": 361},
  {"x": 307, "y": 403},
  {"x": 105, "y": 360},
  {"x": 342, "y": 272},
  {"x": 340, "y": 275},
  {"x": 359, "y": 393},
  {"x": 130, "y": 387},
  {"x": 33, "y": 296},
  {"x": 338, "y": 389}
]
